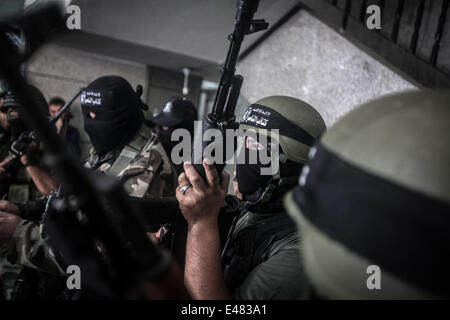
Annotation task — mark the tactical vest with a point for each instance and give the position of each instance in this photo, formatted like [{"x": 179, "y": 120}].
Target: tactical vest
[
  {"x": 248, "y": 247},
  {"x": 143, "y": 139},
  {"x": 124, "y": 158},
  {"x": 131, "y": 151}
]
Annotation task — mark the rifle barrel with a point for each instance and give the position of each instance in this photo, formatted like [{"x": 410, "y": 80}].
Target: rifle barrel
[
  {"x": 244, "y": 17},
  {"x": 66, "y": 106}
]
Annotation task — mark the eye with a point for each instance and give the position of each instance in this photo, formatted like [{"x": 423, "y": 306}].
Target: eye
[
  {"x": 12, "y": 114},
  {"x": 252, "y": 144}
]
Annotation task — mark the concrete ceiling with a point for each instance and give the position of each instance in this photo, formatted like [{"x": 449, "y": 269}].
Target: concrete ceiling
[
  {"x": 165, "y": 33},
  {"x": 10, "y": 8}
]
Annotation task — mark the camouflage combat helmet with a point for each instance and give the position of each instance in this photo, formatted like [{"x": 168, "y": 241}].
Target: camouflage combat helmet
[
  {"x": 298, "y": 125},
  {"x": 373, "y": 202},
  {"x": 307, "y": 124}
]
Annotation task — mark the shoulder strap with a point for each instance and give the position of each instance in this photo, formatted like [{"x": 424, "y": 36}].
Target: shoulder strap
[
  {"x": 131, "y": 151},
  {"x": 275, "y": 229},
  {"x": 249, "y": 245}
]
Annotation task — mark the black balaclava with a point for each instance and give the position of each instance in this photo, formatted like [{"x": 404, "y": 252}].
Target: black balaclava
[
  {"x": 17, "y": 124},
  {"x": 251, "y": 183},
  {"x": 165, "y": 136},
  {"x": 177, "y": 113},
  {"x": 118, "y": 113}
]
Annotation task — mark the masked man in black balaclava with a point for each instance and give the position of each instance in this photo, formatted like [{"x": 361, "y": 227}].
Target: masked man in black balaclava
[
  {"x": 123, "y": 145},
  {"x": 177, "y": 113},
  {"x": 112, "y": 113}
]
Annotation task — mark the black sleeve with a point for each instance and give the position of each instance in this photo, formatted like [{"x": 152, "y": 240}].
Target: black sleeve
[{"x": 32, "y": 210}]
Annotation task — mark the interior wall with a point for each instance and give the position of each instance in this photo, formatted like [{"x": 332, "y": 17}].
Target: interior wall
[{"x": 306, "y": 59}]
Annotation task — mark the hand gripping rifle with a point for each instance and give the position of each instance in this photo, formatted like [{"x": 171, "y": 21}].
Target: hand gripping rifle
[
  {"x": 95, "y": 226},
  {"x": 222, "y": 116}
]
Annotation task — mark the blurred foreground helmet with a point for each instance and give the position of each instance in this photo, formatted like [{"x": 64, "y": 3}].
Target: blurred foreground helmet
[
  {"x": 299, "y": 125},
  {"x": 373, "y": 203}
]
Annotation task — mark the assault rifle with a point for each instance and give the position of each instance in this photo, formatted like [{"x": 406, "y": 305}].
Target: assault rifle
[
  {"x": 94, "y": 226},
  {"x": 222, "y": 116}
]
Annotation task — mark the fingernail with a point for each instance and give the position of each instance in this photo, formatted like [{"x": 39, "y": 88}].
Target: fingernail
[
  {"x": 208, "y": 161},
  {"x": 186, "y": 163}
]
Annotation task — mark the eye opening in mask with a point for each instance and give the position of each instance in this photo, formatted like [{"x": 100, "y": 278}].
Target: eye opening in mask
[
  {"x": 259, "y": 144},
  {"x": 12, "y": 113},
  {"x": 252, "y": 144}
]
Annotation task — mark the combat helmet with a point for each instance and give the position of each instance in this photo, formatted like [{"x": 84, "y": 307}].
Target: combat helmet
[
  {"x": 299, "y": 125},
  {"x": 373, "y": 202}
]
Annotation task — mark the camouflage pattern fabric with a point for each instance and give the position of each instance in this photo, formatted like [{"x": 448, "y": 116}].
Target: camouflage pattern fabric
[{"x": 145, "y": 169}]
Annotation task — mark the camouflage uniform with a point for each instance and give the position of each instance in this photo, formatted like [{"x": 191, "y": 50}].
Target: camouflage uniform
[
  {"x": 144, "y": 168},
  {"x": 145, "y": 171}
]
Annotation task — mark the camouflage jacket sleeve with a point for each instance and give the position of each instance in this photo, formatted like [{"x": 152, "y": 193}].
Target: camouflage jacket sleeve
[
  {"x": 151, "y": 173},
  {"x": 29, "y": 248}
]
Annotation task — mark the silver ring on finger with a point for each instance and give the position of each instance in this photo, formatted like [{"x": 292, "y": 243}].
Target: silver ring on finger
[{"x": 183, "y": 189}]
